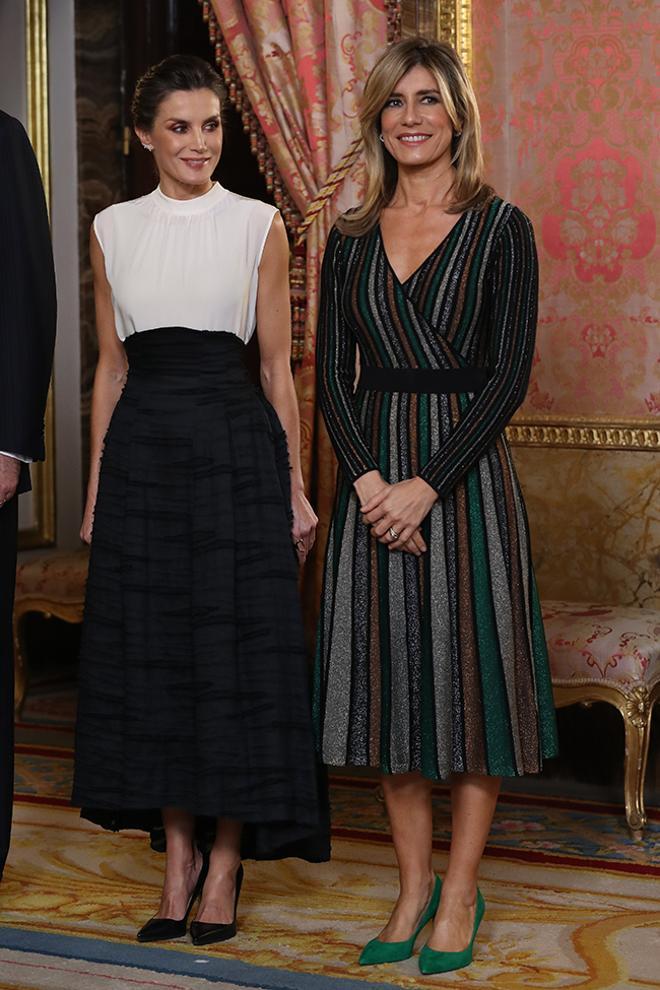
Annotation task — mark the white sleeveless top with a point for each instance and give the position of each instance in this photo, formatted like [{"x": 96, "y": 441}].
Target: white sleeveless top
[{"x": 184, "y": 263}]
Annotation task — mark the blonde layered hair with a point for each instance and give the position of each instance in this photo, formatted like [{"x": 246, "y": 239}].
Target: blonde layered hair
[{"x": 470, "y": 189}]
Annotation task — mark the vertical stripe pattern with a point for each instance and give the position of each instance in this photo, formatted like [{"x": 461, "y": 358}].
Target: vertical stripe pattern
[{"x": 438, "y": 663}]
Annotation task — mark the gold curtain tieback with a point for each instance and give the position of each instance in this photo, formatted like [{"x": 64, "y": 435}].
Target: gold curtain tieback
[{"x": 329, "y": 188}]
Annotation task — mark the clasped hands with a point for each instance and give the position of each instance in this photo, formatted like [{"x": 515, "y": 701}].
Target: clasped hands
[{"x": 395, "y": 509}]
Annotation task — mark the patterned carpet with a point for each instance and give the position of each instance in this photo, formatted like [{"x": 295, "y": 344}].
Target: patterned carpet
[{"x": 572, "y": 901}]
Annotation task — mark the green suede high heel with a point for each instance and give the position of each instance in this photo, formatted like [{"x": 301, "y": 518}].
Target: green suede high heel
[
  {"x": 376, "y": 951},
  {"x": 433, "y": 961}
]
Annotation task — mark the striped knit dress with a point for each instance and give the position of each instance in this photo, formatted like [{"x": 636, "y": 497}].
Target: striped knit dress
[{"x": 438, "y": 663}]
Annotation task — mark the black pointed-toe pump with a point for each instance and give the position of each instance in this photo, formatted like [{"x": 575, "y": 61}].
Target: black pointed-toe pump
[
  {"x": 164, "y": 929},
  {"x": 205, "y": 932}
]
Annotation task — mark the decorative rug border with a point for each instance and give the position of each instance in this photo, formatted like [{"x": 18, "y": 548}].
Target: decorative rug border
[
  {"x": 175, "y": 961},
  {"x": 515, "y": 855}
]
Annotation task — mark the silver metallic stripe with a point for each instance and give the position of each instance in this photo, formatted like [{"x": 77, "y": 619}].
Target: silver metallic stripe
[{"x": 340, "y": 652}]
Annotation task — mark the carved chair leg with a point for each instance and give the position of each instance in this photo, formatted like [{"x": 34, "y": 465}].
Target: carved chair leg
[
  {"x": 637, "y": 723},
  {"x": 20, "y": 665}
]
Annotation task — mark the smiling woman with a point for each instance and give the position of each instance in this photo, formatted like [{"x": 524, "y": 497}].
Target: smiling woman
[
  {"x": 427, "y": 106},
  {"x": 193, "y": 702},
  {"x": 177, "y": 116},
  {"x": 418, "y": 132},
  {"x": 431, "y": 660}
]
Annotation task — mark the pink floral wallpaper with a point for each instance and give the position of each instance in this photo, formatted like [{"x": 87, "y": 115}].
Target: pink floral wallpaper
[{"x": 567, "y": 95}]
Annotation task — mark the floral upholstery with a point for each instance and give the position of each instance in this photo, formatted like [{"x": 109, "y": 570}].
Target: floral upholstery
[
  {"x": 611, "y": 654},
  {"x": 56, "y": 577},
  {"x": 602, "y": 644}
]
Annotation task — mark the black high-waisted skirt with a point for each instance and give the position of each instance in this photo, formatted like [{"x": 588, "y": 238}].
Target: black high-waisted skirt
[{"x": 193, "y": 678}]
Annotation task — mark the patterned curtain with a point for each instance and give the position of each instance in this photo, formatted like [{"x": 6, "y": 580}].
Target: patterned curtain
[{"x": 302, "y": 65}]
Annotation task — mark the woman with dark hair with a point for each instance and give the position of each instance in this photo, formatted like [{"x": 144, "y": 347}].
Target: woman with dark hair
[
  {"x": 431, "y": 659},
  {"x": 193, "y": 699}
]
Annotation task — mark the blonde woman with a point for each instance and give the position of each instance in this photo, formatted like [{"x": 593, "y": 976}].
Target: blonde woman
[{"x": 431, "y": 660}]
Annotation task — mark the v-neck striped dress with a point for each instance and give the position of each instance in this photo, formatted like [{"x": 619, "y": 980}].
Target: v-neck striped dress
[{"x": 438, "y": 663}]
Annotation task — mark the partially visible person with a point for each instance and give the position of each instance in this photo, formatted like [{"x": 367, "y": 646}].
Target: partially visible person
[
  {"x": 432, "y": 661},
  {"x": 27, "y": 338}
]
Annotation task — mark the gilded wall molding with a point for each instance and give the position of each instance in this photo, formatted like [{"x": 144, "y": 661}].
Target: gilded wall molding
[
  {"x": 36, "y": 56},
  {"x": 448, "y": 20},
  {"x": 42, "y": 532},
  {"x": 590, "y": 434}
]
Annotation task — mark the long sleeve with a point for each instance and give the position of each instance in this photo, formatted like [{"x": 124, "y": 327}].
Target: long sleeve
[
  {"x": 335, "y": 364},
  {"x": 512, "y": 282},
  {"x": 27, "y": 295}
]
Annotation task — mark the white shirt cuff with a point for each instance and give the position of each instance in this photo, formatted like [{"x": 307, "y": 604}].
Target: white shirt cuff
[{"x": 17, "y": 457}]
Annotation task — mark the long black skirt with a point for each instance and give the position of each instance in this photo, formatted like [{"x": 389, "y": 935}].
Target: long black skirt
[{"x": 193, "y": 678}]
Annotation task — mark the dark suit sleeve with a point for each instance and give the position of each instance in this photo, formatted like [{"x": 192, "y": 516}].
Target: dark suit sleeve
[{"x": 27, "y": 295}]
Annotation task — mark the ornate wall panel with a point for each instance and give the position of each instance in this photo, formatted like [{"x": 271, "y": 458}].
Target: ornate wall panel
[
  {"x": 564, "y": 90},
  {"x": 566, "y": 96},
  {"x": 595, "y": 522}
]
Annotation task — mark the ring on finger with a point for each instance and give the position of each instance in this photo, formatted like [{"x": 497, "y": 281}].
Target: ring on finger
[{"x": 393, "y": 533}]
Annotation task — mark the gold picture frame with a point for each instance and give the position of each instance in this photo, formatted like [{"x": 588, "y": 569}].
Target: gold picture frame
[
  {"x": 41, "y": 529},
  {"x": 448, "y": 20},
  {"x": 451, "y": 20}
]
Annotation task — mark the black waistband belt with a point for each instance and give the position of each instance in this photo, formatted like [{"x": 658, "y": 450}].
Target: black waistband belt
[{"x": 422, "y": 380}]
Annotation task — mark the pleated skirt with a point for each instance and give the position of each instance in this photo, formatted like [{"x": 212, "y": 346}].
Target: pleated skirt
[
  {"x": 436, "y": 664},
  {"x": 193, "y": 676}
]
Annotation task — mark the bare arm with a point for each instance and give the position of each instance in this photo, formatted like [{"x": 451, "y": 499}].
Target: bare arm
[
  {"x": 109, "y": 378},
  {"x": 274, "y": 333}
]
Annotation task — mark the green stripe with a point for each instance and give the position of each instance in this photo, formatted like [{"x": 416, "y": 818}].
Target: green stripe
[
  {"x": 375, "y": 341},
  {"x": 443, "y": 259},
  {"x": 429, "y": 741},
  {"x": 499, "y": 746},
  {"x": 475, "y": 271},
  {"x": 471, "y": 294},
  {"x": 412, "y": 335},
  {"x": 546, "y": 706},
  {"x": 384, "y": 435}
]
